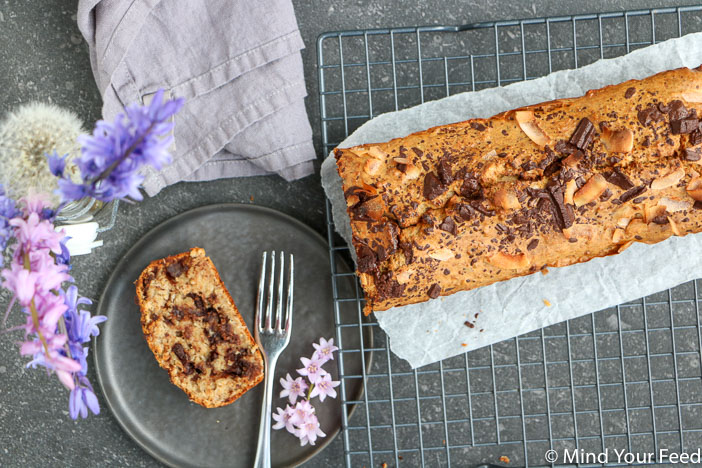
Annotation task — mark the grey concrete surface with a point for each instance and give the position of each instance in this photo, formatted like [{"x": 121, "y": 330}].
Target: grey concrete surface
[{"x": 43, "y": 57}]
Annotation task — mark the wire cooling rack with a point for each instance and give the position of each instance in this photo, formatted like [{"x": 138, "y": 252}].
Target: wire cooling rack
[{"x": 626, "y": 378}]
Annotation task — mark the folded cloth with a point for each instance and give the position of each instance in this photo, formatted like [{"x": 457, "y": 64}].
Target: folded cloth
[{"x": 237, "y": 64}]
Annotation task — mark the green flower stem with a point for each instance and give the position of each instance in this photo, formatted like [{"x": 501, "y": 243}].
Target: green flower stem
[
  {"x": 309, "y": 391},
  {"x": 33, "y": 308}
]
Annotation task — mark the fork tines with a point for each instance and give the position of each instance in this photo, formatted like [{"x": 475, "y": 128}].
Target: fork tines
[{"x": 264, "y": 317}]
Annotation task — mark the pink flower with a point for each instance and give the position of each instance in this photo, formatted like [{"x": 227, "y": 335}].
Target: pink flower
[
  {"x": 312, "y": 369},
  {"x": 302, "y": 410},
  {"x": 282, "y": 419},
  {"x": 324, "y": 388},
  {"x": 309, "y": 430},
  {"x": 323, "y": 350},
  {"x": 37, "y": 233},
  {"x": 292, "y": 388},
  {"x": 23, "y": 283}
]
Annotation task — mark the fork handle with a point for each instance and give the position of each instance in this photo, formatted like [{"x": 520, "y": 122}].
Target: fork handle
[{"x": 263, "y": 452}]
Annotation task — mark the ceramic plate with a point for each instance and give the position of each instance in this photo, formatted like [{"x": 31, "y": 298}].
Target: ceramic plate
[{"x": 157, "y": 414}]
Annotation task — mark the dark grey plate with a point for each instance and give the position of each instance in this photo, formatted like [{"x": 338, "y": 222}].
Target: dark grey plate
[{"x": 157, "y": 414}]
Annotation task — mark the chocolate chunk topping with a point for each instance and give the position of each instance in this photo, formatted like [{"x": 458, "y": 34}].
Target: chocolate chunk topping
[
  {"x": 697, "y": 205},
  {"x": 449, "y": 225},
  {"x": 563, "y": 146},
  {"x": 444, "y": 170},
  {"x": 465, "y": 212},
  {"x": 677, "y": 110},
  {"x": 606, "y": 195},
  {"x": 563, "y": 210},
  {"x": 532, "y": 244},
  {"x": 434, "y": 291},
  {"x": 477, "y": 126},
  {"x": 468, "y": 324},
  {"x": 696, "y": 137},
  {"x": 178, "y": 350},
  {"x": 683, "y": 126},
  {"x": 619, "y": 179},
  {"x": 660, "y": 219},
  {"x": 199, "y": 303},
  {"x": 692, "y": 154},
  {"x": 418, "y": 152},
  {"x": 583, "y": 134},
  {"x": 471, "y": 188},
  {"x": 432, "y": 186},
  {"x": 649, "y": 114},
  {"x": 632, "y": 193},
  {"x": 629, "y": 92},
  {"x": 175, "y": 269},
  {"x": 387, "y": 286},
  {"x": 367, "y": 259}
]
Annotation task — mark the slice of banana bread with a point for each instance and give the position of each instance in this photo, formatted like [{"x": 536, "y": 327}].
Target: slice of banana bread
[{"x": 195, "y": 331}]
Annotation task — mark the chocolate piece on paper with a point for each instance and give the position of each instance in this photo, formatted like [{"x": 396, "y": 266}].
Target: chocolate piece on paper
[{"x": 583, "y": 134}]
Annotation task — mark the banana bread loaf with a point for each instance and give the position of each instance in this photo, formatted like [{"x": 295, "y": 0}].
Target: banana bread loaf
[
  {"x": 195, "y": 331},
  {"x": 461, "y": 206}
]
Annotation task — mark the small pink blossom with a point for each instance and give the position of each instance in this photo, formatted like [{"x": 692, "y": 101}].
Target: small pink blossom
[
  {"x": 23, "y": 283},
  {"x": 324, "y": 388},
  {"x": 312, "y": 369},
  {"x": 282, "y": 419},
  {"x": 302, "y": 410},
  {"x": 324, "y": 350},
  {"x": 309, "y": 431},
  {"x": 37, "y": 233},
  {"x": 293, "y": 388}
]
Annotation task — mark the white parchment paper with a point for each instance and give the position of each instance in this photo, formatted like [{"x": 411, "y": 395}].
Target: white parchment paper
[{"x": 434, "y": 330}]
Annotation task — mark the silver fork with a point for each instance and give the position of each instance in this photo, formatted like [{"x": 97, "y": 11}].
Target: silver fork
[{"x": 272, "y": 340}]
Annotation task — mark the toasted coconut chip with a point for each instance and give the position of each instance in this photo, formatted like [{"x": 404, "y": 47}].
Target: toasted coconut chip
[
  {"x": 404, "y": 276},
  {"x": 580, "y": 231},
  {"x": 570, "y": 188},
  {"x": 624, "y": 246},
  {"x": 674, "y": 227},
  {"x": 372, "y": 167},
  {"x": 401, "y": 160},
  {"x": 573, "y": 159},
  {"x": 692, "y": 96},
  {"x": 411, "y": 172},
  {"x": 623, "y": 222},
  {"x": 672, "y": 205},
  {"x": 528, "y": 124},
  {"x": 377, "y": 153},
  {"x": 490, "y": 154},
  {"x": 507, "y": 200},
  {"x": 617, "y": 236},
  {"x": 369, "y": 188},
  {"x": 634, "y": 225},
  {"x": 668, "y": 180},
  {"x": 694, "y": 188},
  {"x": 653, "y": 211},
  {"x": 441, "y": 254},
  {"x": 591, "y": 191},
  {"x": 618, "y": 141},
  {"x": 508, "y": 261}
]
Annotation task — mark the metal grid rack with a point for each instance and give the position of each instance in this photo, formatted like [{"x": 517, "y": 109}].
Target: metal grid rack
[{"x": 626, "y": 378}]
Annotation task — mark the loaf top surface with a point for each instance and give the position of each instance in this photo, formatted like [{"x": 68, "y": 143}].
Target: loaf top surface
[
  {"x": 464, "y": 205},
  {"x": 195, "y": 330}
]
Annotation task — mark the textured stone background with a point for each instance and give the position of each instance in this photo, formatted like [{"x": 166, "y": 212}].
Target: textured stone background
[{"x": 43, "y": 57}]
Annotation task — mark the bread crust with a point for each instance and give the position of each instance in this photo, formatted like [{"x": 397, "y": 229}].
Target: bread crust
[
  {"x": 464, "y": 205},
  {"x": 189, "y": 320}
]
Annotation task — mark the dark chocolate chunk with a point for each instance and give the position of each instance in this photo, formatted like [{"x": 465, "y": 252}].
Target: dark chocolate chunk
[
  {"x": 660, "y": 219},
  {"x": 629, "y": 92},
  {"x": 501, "y": 155},
  {"x": 387, "y": 286},
  {"x": 697, "y": 205},
  {"x": 649, "y": 114},
  {"x": 448, "y": 225},
  {"x": 434, "y": 291},
  {"x": 432, "y": 186},
  {"x": 692, "y": 154},
  {"x": 418, "y": 152},
  {"x": 468, "y": 324},
  {"x": 471, "y": 188},
  {"x": 583, "y": 134},
  {"x": 563, "y": 213},
  {"x": 532, "y": 244},
  {"x": 444, "y": 170},
  {"x": 175, "y": 269},
  {"x": 606, "y": 195},
  {"x": 563, "y": 146},
  {"x": 619, "y": 179},
  {"x": 178, "y": 350},
  {"x": 696, "y": 137},
  {"x": 638, "y": 200},
  {"x": 632, "y": 193},
  {"x": 681, "y": 126},
  {"x": 465, "y": 212},
  {"x": 367, "y": 259},
  {"x": 647, "y": 141},
  {"x": 677, "y": 110},
  {"x": 477, "y": 126}
]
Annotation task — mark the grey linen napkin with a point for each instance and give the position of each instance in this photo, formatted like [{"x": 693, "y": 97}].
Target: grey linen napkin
[{"x": 237, "y": 64}]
